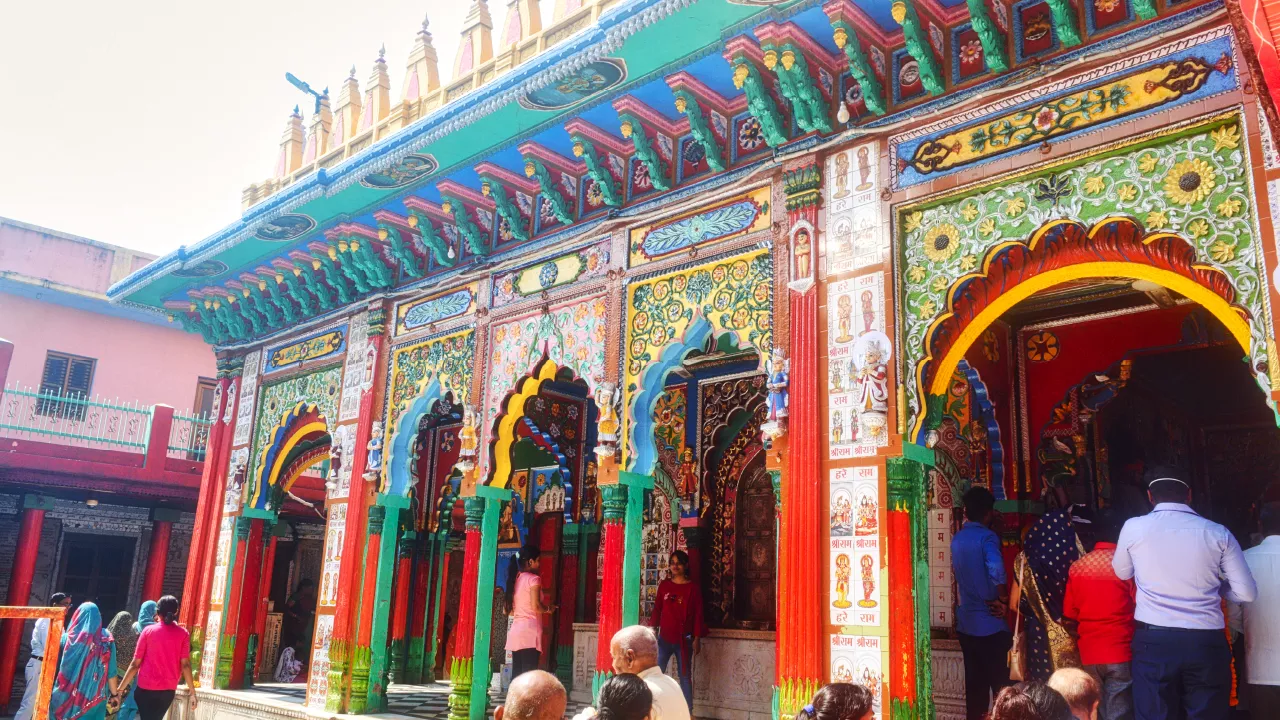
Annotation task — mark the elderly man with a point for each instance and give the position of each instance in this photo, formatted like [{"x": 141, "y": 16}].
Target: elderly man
[
  {"x": 635, "y": 650},
  {"x": 535, "y": 695},
  {"x": 1184, "y": 565}
]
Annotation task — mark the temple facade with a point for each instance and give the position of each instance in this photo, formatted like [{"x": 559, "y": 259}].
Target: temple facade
[{"x": 773, "y": 283}]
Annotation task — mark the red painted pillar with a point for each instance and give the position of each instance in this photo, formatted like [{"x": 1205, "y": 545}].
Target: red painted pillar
[
  {"x": 204, "y": 533},
  {"x": 444, "y": 651},
  {"x": 464, "y": 630},
  {"x": 902, "y": 635},
  {"x": 264, "y": 602},
  {"x": 801, "y": 630},
  {"x": 400, "y": 610},
  {"x": 567, "y": 596},
  {"x": 610, "y": 620},
  {"x": 158, "y": 442},
  {"x": 245, "y": 615},
  {"x": 158, "y": 555},
  {"x": 359, "y": 498},
  {"x": 24, "y": 568}
]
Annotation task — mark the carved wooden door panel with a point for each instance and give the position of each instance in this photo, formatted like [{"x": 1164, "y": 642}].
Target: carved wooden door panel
[{"x": 754, "y": 596}]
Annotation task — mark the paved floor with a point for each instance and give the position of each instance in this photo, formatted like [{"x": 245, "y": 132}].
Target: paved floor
[{"x": 415, "y": 701}]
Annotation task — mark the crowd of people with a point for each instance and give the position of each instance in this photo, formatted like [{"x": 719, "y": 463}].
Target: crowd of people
[
  {"x": 1116, "y": 617},
  {"x": 128, "y": 670},
  {"x": 640, "y": 690}
]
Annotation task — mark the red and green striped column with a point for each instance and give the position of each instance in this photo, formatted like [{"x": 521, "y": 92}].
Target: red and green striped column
[
  {"x": 460, "y": 666},
  {"x": 623, "y": 504},
  {"x": 492, "y": 497}
]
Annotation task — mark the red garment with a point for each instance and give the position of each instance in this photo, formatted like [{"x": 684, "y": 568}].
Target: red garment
[
  {"x": 1103, "y": 604},
  {"x": 161, "y": 650},
  {"x": 677, "y": 612}
]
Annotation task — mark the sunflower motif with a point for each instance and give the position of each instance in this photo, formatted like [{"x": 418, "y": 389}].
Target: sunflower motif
[
  {"x": 1190, "y": 181},
  {"x": 940, "y": 242},
  {"x": 1042, "y": 347}
]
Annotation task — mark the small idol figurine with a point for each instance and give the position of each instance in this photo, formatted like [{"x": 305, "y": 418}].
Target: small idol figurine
[
  {"x": 468, "y": 443},
  {"x": 778, "y": 380},
  {"x": 373, "y": 461}
]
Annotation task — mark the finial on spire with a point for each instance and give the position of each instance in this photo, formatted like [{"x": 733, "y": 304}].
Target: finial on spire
[
  {"x": 426, "y": 22},
  {"x": 382, "y": 53},
  {"x": 296, "y": 111},
  {"x": 353, "y": 73}
]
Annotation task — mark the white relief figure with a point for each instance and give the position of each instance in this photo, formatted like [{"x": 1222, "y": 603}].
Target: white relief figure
[
  {"x": 607, "y": 405},
  {"x": 467, "y": 440},
  {"x": 373, "y": 461},
  {"x": 871, "y": 385}
]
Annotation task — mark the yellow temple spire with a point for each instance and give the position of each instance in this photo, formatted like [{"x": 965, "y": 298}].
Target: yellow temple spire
[
  {"x": 377, "y": 95},
  {"x": 476, "y": 47},
  {"x": 523, "y": 19},
  {"x": 423, "y": 75},
  {"x": 318, "y": 134},
  {"x": 346, "y": 115},
  {"x": 290, "y": 145}
]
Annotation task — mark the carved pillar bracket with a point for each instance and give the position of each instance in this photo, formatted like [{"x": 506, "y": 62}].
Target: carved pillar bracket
[
  {"x": 560, "y": 207},
  {"x": 583, "y": 148},
  {"x": 918, "y": 46},
  {"x": 993, "y": 41},
  {"x": 1145, "y": 9},
  {"x": 1065, "y": 24},
  {"x": 648, "y": 155},
  {"x": 506, "y": 209},
  {"x": 466, "y": 228},
  {"x": 759, "y": 101},
  {"x": 400, "y": 250},
  {"x": 431, "y": 240},
  {"x": 701, "y": 129},
  {"x": 859, "y": 66},
  {"x": 614, "y": 499},
  {"x": 808, "y": 105}
]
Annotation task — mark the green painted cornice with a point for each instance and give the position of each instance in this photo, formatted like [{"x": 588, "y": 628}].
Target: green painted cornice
[
  {"x": 809, "y": 107},
  {"x": 282, "y": 303},
  {"x": 701, "y": 129},
  {"x": 583, "y": 148},
  {"x": 645, "y": 152},
  {"x": 400, "y": 250},
  {"x": 505, "y": 208},
  {"x": 252, "y": 308},
  {"x": 918, "y": 46},
  {"x": 350, "y": 267},
  {"x": 334, "y": 277},
  {"x": 534, "y": 168},
  {"x": 993, "y": 44},
  {"x": 859, "y": 66},
  {"x": 315, "y": 285},
  {"x": 759, "y": 102},
  {"x": 296, "y": 291},
  {"x": 247, "y": 312},
  {"x": 1145, "y": 9},
  {"x": 198, "y": 325},
  {"x": 233, "y": 321},
  {"x": 431, "y": 239},
  {"x": 1064, "y": 22},
  {"x": 373, "y": 263},
  {"x": 466, "y": 227},
  {"x": 265, "y": 306}
]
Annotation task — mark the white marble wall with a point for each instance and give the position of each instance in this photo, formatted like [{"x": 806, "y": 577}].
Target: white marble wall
[
  {"x": 732, "y": 676},
  {"x": 948, "y": 680}
]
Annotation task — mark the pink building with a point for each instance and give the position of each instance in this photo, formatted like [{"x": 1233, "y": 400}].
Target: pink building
[{"x": 101, "y": 434}]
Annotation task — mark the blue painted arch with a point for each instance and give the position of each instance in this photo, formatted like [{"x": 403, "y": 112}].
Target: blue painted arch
[
  {"x": 643, "y": 456},
  {"x": 399, "y": 479}
]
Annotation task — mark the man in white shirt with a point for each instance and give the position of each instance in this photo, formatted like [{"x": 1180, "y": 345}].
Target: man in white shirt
[
  {"x": 38, "y": 636},
  {"x": 1262, "y": 616},
  {"x": 635, "y": 650},
  {"x": 1183, "y": 565}
]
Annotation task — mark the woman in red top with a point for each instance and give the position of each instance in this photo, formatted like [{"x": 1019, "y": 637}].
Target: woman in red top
[{"x": 677, "y": 616}]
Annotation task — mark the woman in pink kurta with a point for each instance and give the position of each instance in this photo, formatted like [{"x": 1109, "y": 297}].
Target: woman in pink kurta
[{"x": 524, "y": 640}]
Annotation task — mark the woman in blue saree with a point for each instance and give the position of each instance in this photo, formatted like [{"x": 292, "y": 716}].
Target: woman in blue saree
[{"x": 87, "y": 672}]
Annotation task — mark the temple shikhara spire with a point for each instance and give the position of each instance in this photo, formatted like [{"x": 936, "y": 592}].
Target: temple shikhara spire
[{"x": 744, "y": 294}]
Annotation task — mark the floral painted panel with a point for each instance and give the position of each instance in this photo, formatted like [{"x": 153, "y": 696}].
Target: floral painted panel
[
  {"x": 573, "y": 335},
  {"x": 449, "y": 358},
  {"x": 732, "y": 218},
  {"x": 1191, "y": 181},
  {"x": 587, "y": 263},
  {"x": 321, "y": 388},
  {"x": 437, "y": 308}
]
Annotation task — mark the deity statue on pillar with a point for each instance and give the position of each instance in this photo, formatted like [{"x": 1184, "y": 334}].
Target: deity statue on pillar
[
  {"x": 606, "y": 398},
  {"x": 802, "y": 249},
  {"x": 468, "y": 442},
  {"x": 779, "y": 379},
  {"x": 373, "y": 461},
  {"x": 871, "y": 389}
]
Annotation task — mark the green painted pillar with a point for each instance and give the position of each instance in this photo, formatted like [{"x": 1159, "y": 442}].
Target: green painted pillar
[
  {"x": 480, "y": 670},
  {"x": 379, "y": 661},
  {"x": 443, "y": 543},
  {"x": 633, "y": 544}
]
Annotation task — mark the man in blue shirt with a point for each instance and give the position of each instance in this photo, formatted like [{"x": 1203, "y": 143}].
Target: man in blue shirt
[
  {"x": 982, "y": 604},
  {"x": 1184, "y": 565}
]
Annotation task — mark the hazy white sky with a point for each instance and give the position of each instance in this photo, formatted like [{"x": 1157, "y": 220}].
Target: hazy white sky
[{"x": 139, "y": 122}]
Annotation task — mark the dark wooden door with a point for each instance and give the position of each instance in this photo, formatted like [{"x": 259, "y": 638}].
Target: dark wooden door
[
  {"x": 97, "y": 569},
  {"x": 754, "y": 596}
]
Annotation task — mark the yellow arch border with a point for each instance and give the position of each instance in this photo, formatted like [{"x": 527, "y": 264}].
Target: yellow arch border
[
  {"x": 528, "y": 388},
  {"x": 296, "y": 472},
  {"x": 1221, "y": 309},
  {"x": 294, "y": 439}
]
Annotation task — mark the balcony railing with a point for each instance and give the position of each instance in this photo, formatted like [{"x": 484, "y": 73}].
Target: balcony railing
[{"x": 97, "y": 423}]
